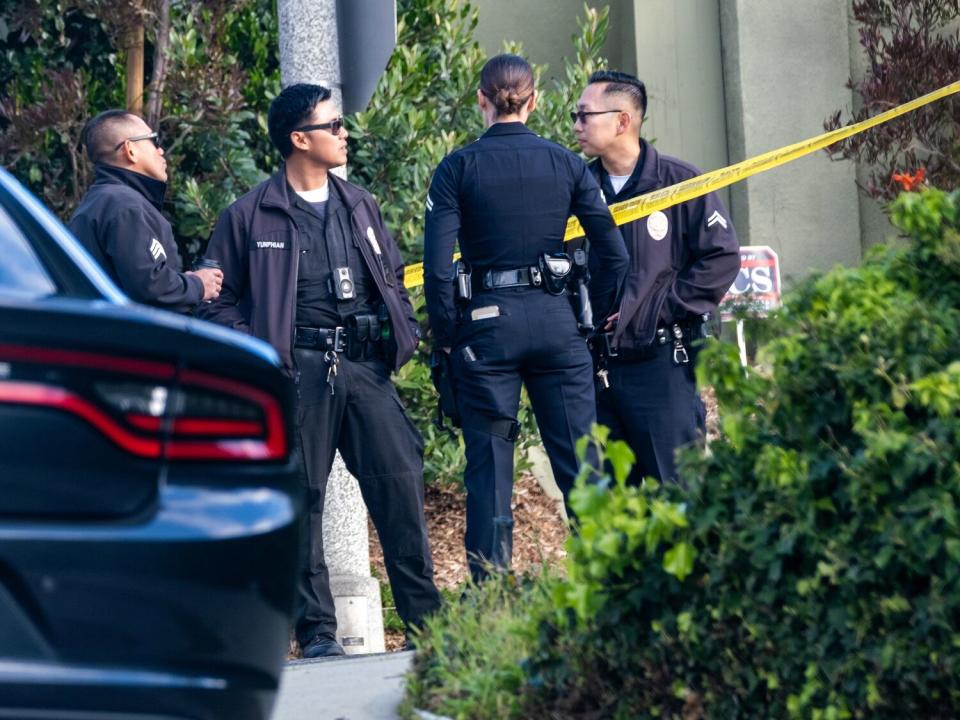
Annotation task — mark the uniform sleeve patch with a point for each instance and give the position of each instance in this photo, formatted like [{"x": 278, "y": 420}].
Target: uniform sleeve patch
[
  {"x": 717, "y": 219},
  {"x": 429, "y": 203},
  {"x": 156, "y": 250}
]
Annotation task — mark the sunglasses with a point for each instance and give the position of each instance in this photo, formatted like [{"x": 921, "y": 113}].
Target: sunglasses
[
  {"x": 582, "y": 115},
  {"x": 333, "y": 126},
  {"x": 137, "y": 138}
]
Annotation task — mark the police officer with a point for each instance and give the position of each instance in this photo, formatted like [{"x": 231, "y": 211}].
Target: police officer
[
  {"x": 682, "y": 262},
  {"x": 506, "y": 198},
  {"x": 311, "y": 269},
  {"x": 119, "y": 220}
]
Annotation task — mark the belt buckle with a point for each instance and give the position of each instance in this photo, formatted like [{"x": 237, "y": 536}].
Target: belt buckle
[
  {"x": 339, "y": 340},
  {"x": 535, "y": 278}
]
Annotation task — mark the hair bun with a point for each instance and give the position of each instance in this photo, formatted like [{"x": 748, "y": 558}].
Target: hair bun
[{"x": 507, "y": 81}]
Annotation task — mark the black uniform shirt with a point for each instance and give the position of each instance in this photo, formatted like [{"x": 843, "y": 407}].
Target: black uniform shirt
[
  {"x": 326, "y": 243},
  {"x": 507, "y": 198}
]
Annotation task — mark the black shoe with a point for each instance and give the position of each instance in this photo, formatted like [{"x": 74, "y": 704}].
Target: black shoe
[{"x": 322, "y": 646}]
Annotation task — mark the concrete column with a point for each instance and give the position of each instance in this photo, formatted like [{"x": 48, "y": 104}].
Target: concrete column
[
  {"x": 309, "y": 53},
  {"x": 678, "y": 57},
  {"x": 785, "y": 66}
]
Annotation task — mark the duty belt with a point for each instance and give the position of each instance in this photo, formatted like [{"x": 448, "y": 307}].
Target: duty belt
[
  {"x": 311, "y": 338},
  {"x": 529, "y": 276}
]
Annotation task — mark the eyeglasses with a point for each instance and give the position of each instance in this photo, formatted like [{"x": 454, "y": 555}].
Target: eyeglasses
[
  {"x": 137, "y": 138},
  {"x": 582, "y": 115},
  {"x": 333, "y": 126}
]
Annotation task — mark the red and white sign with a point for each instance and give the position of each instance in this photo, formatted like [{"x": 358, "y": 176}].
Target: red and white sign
[{"x": 757, "y": 285}]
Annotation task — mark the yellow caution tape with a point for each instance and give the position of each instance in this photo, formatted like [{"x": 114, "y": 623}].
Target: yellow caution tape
[{"x": 643, "y": 205}]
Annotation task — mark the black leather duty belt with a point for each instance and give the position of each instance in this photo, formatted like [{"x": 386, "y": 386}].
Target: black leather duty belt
[
  {"x": 311, "y": 338},
  {"x": 515, "y": 277},
  {"x": 663, "y": 337}
]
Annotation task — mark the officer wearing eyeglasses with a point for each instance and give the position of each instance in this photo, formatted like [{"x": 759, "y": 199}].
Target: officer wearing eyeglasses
[
  {"x": 683, "y": 260},
  {"x": 508, "y": 320},
  {"x": 119, "y": 219},
  {"x": 311, "y": 268}
]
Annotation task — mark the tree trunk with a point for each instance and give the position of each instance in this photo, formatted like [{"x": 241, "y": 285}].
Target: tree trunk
[
  {"x": 134, "y": 47},
  {"x": 159, "y": 77}
]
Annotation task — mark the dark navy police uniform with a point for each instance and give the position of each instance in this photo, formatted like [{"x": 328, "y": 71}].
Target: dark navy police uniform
[
  {"x": 507, "y": 197},
  {"x": 281, "y": 252},
  {"x": 682, "y": 262}
]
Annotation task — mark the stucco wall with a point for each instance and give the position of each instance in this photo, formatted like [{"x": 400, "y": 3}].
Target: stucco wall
[
  {"x": 678, "y": 53},
  {"x": 785, "y": 66},
  {"x": 545, "y": 27}
]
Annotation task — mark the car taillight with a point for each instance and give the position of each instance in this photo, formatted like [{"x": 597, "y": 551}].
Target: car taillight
[{"x": 149, "y": 409}]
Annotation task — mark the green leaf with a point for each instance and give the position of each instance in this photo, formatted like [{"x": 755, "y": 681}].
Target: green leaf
[{"x": 678, "y": 560}]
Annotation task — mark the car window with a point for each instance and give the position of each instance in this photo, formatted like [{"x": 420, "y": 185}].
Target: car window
[{"x": 21, "y": 272}]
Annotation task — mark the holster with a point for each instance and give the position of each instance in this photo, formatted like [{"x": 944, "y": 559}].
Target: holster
[{"x": 580, "y": 295}]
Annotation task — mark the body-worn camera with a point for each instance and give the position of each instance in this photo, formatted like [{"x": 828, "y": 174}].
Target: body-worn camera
[{"x": 343, "y": 286}]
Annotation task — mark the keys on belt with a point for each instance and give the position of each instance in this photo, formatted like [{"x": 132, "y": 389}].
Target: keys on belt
[
  {"x": 332, "y": 341},
  {"x": 327, "y": 339}
]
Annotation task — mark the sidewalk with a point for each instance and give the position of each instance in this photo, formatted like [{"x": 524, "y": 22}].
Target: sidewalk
[{"x": 361, "y": 687}]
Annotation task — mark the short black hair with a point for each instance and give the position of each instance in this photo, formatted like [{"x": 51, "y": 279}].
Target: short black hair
[
  {"x": 622, "y": 82},
  {"x": 96, "y": 136},
  {"x": 290, "y": 109}
]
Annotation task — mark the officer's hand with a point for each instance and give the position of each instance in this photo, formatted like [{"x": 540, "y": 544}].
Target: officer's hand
[
  {"x": 212, "y": 281},
  {"x": 611, "y": 322}
]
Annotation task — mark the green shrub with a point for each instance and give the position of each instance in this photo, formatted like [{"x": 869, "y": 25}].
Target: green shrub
[
  {"x": 822, "y": 528},
  {"x": 469, "y": 661}
]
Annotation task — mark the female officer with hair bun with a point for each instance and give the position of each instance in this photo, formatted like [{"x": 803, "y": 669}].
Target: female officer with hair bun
[{"x": 503, "y": 314}]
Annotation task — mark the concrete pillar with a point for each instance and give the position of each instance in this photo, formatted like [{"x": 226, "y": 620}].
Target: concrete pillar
[
  {"x": 785, "y": 68},
  {"x": 678, "y": 57},
  {"x": 309, "y": 53}
]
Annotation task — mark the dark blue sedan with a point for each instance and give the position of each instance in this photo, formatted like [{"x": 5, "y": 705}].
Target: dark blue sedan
[{"x": 149, "y": 507}]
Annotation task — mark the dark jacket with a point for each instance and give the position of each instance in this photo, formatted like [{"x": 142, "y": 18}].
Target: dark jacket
[
  {"x": 507, "y": 198},
  {"x": 682, "y": 260},
  {"x": 119, "y": 223},
  {"x": 257, "y": 243}
]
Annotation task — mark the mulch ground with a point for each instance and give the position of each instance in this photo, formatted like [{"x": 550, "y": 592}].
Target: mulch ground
[
  {"x": 539, "y": 531},
  {"x": 539, "y": 534}
]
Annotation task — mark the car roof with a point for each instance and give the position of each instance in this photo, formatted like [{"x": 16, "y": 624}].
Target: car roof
[{"x": 113, "y": 300}]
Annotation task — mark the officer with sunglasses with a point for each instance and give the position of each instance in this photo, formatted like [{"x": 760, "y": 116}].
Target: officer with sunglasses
[
  {"x": 119, "y": 219},
  {"x": 312, "y": 269},
  {"x": 683, "y": 260}
]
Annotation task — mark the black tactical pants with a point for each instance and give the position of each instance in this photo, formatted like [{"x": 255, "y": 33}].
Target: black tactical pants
[
  {"x": 382, "y": 448},
  {"x": 531, "y": 338},
  {"x": 654, "y": 406}
]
